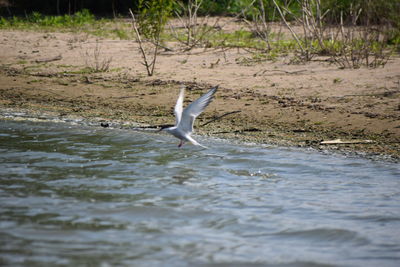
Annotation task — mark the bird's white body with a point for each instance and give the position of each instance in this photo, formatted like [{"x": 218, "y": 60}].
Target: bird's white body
[{"x": 185, "y": 118}]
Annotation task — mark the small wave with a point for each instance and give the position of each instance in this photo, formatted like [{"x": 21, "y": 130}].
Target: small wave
[
  {"x": 375, "y": 218},
  {"x": 326, "y": 235},
  {"x": 255, "y": 264},
  {"x": 251, "y": 174}
]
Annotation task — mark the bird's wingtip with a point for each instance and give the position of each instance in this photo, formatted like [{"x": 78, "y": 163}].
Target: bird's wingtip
[{"x": 214, "y": 89}]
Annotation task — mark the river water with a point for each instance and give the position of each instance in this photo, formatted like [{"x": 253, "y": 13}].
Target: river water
[{"x": 77, "y": 195}]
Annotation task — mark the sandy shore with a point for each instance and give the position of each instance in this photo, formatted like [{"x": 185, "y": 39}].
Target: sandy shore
[{"x": 270, "y": 102}]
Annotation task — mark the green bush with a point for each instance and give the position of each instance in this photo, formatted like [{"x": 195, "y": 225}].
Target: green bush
[
  {"x": 37, "y": 19},
  {"x": 154, "y": 15},
  {"x": 247, "y": 7},
  {"x": 372, "y": 11}
]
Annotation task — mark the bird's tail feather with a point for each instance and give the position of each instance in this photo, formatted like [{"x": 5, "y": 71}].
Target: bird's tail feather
[{"x": 194, "y": 142}]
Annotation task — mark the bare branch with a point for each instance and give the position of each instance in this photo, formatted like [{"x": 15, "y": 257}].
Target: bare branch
[
  {"x": 288, "y": 26},
  {"x": 149, "y": 65}
]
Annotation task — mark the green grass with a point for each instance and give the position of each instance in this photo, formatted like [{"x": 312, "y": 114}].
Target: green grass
[
  {"x": 82, "y": 21},
  {"x": 122, "y": 34},
  {"x": 85, "y": 70},
  {"x": 22, "y": 62},
  {"x": 337, "y": 80},
  {"x": 65, "y": 66},
  {"x": 240, "y": 38},
  {"x": 36, "y": 20}
]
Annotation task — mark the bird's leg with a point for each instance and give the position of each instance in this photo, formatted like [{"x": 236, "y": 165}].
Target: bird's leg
[{"x": 181, "y": 143}]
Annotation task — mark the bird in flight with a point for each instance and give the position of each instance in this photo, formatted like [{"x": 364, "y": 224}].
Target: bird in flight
[{"x": 185, "y": 117}]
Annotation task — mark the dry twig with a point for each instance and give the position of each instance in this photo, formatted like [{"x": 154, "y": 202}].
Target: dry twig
[{"x": 149, "y": 64}]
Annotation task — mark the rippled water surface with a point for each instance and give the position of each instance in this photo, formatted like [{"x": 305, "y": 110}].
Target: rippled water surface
[{"x": 74, "y": 195}]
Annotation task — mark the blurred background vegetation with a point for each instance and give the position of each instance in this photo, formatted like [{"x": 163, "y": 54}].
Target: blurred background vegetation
[
  {"x": 375, "y": 11},
  {"x": 352, "y": 32}
]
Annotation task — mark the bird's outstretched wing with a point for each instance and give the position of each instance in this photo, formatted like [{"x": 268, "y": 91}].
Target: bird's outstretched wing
[
  {"x": 179, "y": 106},
  {"x": 195, "y": 109}
]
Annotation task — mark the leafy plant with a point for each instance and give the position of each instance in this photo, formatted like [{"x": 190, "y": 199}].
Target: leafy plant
[{"x": 153, "y": 15}]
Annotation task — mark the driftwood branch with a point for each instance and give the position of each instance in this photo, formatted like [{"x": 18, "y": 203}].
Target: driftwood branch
[
  {"x": 220, "y": 117},
  {"x": 49, "y": 59},
  {"x": 157, "y": 126},
  {"x": 345, "y": 142},
  {"x": 246, "y": 130},
  {"x": 261, "y": 72}
]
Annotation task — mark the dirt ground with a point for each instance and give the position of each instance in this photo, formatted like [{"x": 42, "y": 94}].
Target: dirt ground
[{"x": 271, "y": 101}]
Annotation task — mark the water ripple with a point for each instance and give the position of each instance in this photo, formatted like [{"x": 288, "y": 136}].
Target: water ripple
[
  {"x": 326, "y": 235},
  {"x": 76, "y": 195}
]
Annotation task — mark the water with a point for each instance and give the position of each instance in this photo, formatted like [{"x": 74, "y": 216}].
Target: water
[{"x": 75, "y": 195}]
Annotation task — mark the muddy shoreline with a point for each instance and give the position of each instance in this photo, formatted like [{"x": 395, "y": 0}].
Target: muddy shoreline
[
  {"x": 18, "y": 114},
  {"x": 130, "y": 112},
  {"x": 315, "y": 105}
]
